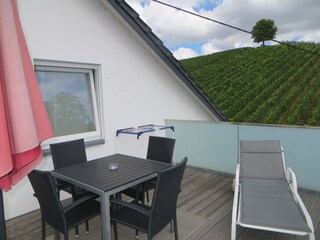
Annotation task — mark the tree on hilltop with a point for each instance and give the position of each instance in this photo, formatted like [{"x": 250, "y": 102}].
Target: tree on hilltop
[{"x": 264, "y": 30}]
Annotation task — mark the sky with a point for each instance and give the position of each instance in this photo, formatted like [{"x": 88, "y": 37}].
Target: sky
[{"x": 189, "y": 36}]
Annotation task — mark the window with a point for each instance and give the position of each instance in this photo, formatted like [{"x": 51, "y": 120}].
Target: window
[{"x": 71, "y": 93}]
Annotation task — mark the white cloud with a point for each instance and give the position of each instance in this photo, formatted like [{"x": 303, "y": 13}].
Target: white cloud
[
  {"x": 209, "y": 48},
  {"x": 183, "y": 53},
  {"x": 295, "y": 19}
]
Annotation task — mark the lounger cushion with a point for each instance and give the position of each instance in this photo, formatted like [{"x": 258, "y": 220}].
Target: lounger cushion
[
  {"x": 262, "y": 166},
  {"x": 262, "y": 146},
  {"x": 261, "y": 160},
  {"x": 269, "y": 203}
]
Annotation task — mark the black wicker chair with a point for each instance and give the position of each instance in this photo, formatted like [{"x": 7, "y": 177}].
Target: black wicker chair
[
  {"x": 152, "y": 220},
  {"x": 159, "y": 149},
  {"x": 60, "y": 218},
  {"x": 66, "y": 154}
]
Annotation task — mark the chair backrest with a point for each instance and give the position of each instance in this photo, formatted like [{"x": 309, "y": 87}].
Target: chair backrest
[
  {"x": 261, "y": 160},
  {"x": 165, "y": 197},
  {"x": 68, "y": 153},
  {"x": 51, "y": 209},
  {"x": 161, "y": 149}
]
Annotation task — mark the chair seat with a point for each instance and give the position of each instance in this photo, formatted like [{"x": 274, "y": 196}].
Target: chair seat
[
  {"x": 151, "y": 184},
  {"x": 270, "y": 203},
  {"x": 132, "y": 218},
  {"x": 82, "y": 212},
  {"x": 75, "y": 191},
  {"x": 133, "y": 191}
]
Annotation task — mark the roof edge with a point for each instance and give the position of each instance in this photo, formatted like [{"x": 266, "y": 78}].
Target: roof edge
[{"x": 144, "y": 31}]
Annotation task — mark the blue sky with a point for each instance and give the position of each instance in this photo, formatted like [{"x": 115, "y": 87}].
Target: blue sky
[
  {"x": 188, "y": 36},
  {"x": 207, "y": 5},
  {"x": 196, "y": 46}
]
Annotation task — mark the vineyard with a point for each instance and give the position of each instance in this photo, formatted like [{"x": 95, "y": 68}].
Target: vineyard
[{"x": 270, "y": 84}]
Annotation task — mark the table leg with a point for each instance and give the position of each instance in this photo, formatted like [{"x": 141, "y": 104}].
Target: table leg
[{"x": 105, "y": 217}]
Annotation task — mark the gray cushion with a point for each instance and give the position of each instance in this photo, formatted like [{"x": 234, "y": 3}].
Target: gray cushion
[
  {"x": 261, "y": 160},
  {"x": 262, "y": 146},
  {"x": 269, "y": 203},
  {"x": 262, "y": 166}
]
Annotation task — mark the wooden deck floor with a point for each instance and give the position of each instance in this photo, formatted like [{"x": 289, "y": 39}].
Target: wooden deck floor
[{"x": 204, "y": 193}]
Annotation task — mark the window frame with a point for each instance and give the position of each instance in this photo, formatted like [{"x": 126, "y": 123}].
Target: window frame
[{"x": 94, "y": 71}]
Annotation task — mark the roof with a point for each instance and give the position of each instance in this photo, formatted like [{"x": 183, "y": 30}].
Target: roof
[{"x": 140, "y": 27}]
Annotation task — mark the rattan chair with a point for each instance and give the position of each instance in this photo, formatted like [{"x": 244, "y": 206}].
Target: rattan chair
[
  {"x": 65, "y": 154},
  {"x": 60, "y": 218},
  {"x": 159, "y": 149},
  {"x": 152, "y": 220}
]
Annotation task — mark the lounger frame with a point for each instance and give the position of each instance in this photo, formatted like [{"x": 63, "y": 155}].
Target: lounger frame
[{"x": 292, "y": 182}]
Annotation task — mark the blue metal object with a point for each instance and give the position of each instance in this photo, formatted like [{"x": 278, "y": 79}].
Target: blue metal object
[{"x": 142, "y": 129}]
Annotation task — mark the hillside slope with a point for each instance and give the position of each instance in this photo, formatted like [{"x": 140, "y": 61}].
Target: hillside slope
[{"x": 270, "y": 84}]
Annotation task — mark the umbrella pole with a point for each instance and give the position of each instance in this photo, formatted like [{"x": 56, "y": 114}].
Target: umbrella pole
[{"x": 3, "y": 234}]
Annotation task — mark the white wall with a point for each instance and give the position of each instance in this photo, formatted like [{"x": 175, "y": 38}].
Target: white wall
[{"x": 137, "y": 88}]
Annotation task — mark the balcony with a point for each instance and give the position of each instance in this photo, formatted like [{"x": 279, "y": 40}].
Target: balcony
[
  {"x": 212, "y": 149},
  {"x": 205, "y": 195}
]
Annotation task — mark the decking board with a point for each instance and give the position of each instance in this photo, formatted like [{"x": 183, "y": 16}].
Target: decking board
[{"x": 204, "y": 193}]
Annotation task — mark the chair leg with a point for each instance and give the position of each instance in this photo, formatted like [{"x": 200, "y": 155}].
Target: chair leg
[
  {"x": 175, "y": 228},
  {"x": 77, "y": 231},
  {"x": 115, "y": 230},
  {"x": 311, "y": 236},
  {"x": 137, "y": 194},
  {"x": 143, "y": 197},
  {"x": 148, "y": 199},
  {"x": 140, "y": 194},
  {"x": 233, "y": 231},
  {"x": 74, "y": 198},
  {"x": 43, "y": 229},
  {"x": 87, "y": 227}
]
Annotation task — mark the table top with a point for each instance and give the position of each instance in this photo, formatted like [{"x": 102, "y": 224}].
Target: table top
[{"x": 96, "y": 176}]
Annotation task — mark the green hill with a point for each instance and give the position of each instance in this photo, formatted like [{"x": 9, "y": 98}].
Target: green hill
[{"x": 270, "y": 84}]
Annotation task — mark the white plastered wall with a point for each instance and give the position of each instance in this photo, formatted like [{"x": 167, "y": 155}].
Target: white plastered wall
[{"x": 137, "y": 88}]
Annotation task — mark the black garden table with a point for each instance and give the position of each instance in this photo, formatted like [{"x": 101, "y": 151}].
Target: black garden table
[{"x": 96, "y": 176}]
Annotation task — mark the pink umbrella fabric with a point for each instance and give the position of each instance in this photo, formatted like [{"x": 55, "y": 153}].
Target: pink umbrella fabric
[{"x": 24, "y": 121}]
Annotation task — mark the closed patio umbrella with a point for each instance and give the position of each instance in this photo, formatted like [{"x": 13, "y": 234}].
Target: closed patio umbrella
[{"x": 24, "y": 121}]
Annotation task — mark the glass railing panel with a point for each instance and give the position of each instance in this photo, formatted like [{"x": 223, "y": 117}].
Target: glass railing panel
[{"x": 215, "y": 146}]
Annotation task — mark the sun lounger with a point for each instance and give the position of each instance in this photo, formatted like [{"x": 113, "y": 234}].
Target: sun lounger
[{"x": 266, "y": 195}]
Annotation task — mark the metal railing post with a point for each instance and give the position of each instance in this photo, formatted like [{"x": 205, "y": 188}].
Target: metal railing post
[{"x": 3, "y": 233}]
